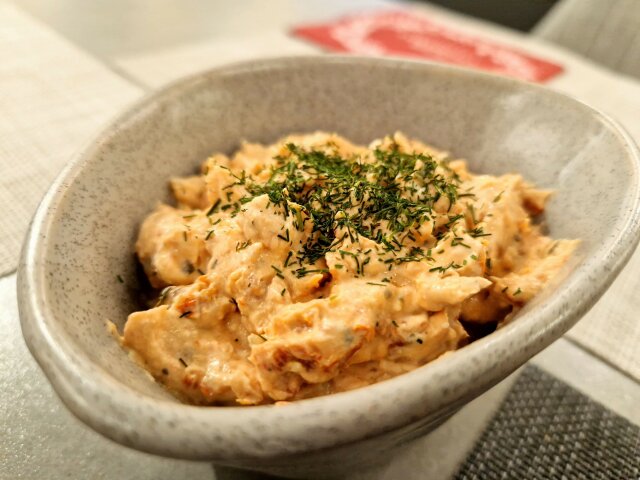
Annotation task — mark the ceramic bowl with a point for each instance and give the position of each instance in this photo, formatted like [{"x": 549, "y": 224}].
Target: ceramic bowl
[{"x": 82, "y": 237}]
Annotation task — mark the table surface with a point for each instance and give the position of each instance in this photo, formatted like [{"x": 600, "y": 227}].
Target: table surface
[
  {"x": 41, "y": 439},
  {"x": 117, "y": 28}
]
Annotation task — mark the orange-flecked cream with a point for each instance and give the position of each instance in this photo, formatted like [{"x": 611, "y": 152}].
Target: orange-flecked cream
[{"x": 313, "y": 266}]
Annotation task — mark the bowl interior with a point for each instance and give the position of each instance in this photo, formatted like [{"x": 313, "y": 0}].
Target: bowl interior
[{"x": 499, "y": 125}]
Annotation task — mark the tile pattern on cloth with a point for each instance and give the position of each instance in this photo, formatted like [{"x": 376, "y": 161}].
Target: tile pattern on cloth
[
  {"x": 547, "y": 430},
  {"x": 53, "y": 98}
]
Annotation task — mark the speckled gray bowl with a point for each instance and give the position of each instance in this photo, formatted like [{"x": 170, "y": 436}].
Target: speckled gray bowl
[{"x": 82, "y": 237}]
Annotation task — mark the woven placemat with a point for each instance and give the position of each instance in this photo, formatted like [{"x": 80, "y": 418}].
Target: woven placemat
[
  {"x": 547, "y": 430},
  {"x": 53, "y": 99},
  {"x": 611, "y": 330}
]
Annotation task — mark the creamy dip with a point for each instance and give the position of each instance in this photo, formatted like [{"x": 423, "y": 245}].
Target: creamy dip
[{"x": 314, "y": 266}]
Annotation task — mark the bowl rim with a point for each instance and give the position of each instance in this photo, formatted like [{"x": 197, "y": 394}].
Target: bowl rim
[{"x": 129, "y": 411}]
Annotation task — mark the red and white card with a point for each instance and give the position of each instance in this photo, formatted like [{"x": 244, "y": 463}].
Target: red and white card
[{"x": 414, "y": 35}]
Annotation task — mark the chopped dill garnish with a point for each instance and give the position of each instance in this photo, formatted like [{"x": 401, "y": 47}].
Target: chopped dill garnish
[
  {"x": 243, "y": 245},
  {"x": 458, "y": 241},
  {"x": 184, "y": 314},
  {"x": 441, "y": 269},
  {"x": 377, "y": 284},
  {"x": 278, "y": 271},
  {"x": 119, "y": 277},
  {"x": 453, "y": 219},
  {"x": 343, "y": 199},
  {"x": 498, "y": 197},
  {"x": 184, "y": 364},
  {"x": 285, "y": 237},
  {"x": 214, "y": 207},
  {"x": 478, "y": 232},
  {"x": 286, "y": 260},
  {"x": 303, "y": 271},
  {"x": 517, "y": 292}
]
